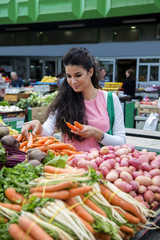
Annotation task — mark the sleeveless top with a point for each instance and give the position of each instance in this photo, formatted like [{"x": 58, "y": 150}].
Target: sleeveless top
[{"x": 97, "y": 116}]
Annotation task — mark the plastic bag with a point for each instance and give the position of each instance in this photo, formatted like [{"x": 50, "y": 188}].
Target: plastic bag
[{"x": 151, "y": 122}]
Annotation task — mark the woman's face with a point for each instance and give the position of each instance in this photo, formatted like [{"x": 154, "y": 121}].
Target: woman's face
[{"x": 78, "y": 78}]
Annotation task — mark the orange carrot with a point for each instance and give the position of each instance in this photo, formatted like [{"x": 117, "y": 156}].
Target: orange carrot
[
  {"x": 51, "y": 169},
  {"x": 78, "y": 125},
  {"x": 49, "y": 141},
  {"x": 23, "y": 144},
  {"x": 42, "y": 148},
  {"x": 93, "y": 206},
  {"x": 19, "y": 137},
  {"x": 72, "y": 202},
  {"x": 63, "y": 194},
  {"x": 43, "y": 140},
  {"x": 60, "y": 145},
  {"x": 87, "y": 225},
  {"x": 129, "y": 217},
  {"x": 52, "y": 188},
  {"x": 17, "y": 233},
  {"x": 117, "y": 201},
  {"x": 24, "y": 149},
  {"x": 30, "y": 140},
  {"x": 33, "y": 229},
  {"x": 69, "y": 158},
  {"x": 13, "y": 196},
  {"x": 72, "y": 127},
  {"x": 14, "y": 207},
  {"x": 78, "y": 191},
  {"x": 127, "y": 229}
]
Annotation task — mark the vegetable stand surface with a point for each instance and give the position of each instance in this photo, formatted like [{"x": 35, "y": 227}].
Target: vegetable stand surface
[{"x": 77, "y": 201}]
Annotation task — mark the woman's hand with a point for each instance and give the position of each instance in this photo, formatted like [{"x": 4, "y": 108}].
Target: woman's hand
[
  {"x": 89, "y": 131},
  {"x": 34, "y": 125}
]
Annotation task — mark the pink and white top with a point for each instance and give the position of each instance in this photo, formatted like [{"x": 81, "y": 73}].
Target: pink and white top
[{"x": 97, "y": 115}]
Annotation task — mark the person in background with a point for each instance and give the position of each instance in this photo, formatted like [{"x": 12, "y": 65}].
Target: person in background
[
  {"x": 60, "y": 78},
  {"x": 80, "y": 99},
  {"x": 15, "y": 80},
  {"x": 103, "y": 78},
  {"x": 2, "y": 80},
  {"x": 129, "y": 84}
]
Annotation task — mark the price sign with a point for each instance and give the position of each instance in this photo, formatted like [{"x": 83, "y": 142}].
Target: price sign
[{"x": 41, "y": 88}]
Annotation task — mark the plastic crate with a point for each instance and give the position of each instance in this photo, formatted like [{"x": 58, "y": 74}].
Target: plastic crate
[{"x": 14, "y": 120}]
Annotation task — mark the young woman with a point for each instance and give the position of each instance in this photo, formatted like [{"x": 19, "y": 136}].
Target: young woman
[{"x": 80, "y": 99}]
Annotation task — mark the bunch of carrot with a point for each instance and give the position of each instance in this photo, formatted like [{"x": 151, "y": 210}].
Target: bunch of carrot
[
  {"x": 26, "y": 229},
  {"x": 74, "y": 127},
  {"x": 46, "y": 144}
]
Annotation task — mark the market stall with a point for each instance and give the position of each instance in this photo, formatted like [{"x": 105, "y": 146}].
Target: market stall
[{"x": 51, "y": 191}]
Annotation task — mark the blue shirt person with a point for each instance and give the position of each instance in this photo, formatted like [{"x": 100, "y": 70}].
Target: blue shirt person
[
  {"x": 15, "y": 80},
  {"x": 103, "y": 78}
]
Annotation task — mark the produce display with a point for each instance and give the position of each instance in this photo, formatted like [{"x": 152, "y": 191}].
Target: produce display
[
  {"x": 36, "y": 100},
  {"x": 51, "y": 191},
  {"x": 132, "y": 171},
  {"x": 49, "y": 79},
  {"x": 147, "y": 101}
]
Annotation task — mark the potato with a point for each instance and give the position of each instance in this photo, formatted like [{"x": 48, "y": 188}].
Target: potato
[{"x": 3, "y": 131}]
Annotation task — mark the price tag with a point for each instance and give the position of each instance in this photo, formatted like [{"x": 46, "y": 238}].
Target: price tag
[{"x": 41, "y": 88}]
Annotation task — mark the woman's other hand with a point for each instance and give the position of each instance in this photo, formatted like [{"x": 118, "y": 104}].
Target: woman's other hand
[
  {"x": 34, "y": 125},
  {"x": 89, "y": 131}
]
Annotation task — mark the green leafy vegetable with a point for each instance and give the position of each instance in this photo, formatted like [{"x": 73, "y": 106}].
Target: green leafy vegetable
[
  {"x": 35, "y": 202},
  {"x": 2, "y": 154},
  {"x": 19, "y": 178},
  {"x": 59, "y": 161}
]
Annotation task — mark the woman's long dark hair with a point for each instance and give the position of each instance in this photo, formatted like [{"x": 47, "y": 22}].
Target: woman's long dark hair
[{"x": 69, "y": 105}]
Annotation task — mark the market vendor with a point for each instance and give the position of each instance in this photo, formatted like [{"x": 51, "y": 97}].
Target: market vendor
[
  {"x": 15, "y": 80},
  {"x": 81, "y": 99}
]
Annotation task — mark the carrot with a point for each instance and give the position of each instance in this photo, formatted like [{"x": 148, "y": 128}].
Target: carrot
[
  {"x": 60, "y": 145},
  {"x": 72, "y": 202},
  {"x": 117, "y": 201},
  {"x": 33, "y": 229},
  {"x": 51, "y": 169},
  {"x": 23, "y": 144},
  {"x": 72, "y": 127},
  {"x": 127, "y": 229},
  {"x": 63, "y": 194},
  {"x": 50, "y": 141},
  {"x": 17, "y": 233},
  {"x": 78, "y": 125},
  {"x": 93, "y": 206},
  {"x": 14, "y": 207},
  {"x": 19, "y": 137},
  {"x": 129, "y": 217},
  {"x": 30, "y": 140},
  {"x": 79, "y": 190},
  {"x": 42, "y": 148},
  {"x": 87, "y": 225},
  {"x": 52, "y": 188},
  {"x": 43, "y": 140},
  {"x": 102, "y": 236},
  {"x": 13, "y": 196},
  {"x": 69, "y": 158}
]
